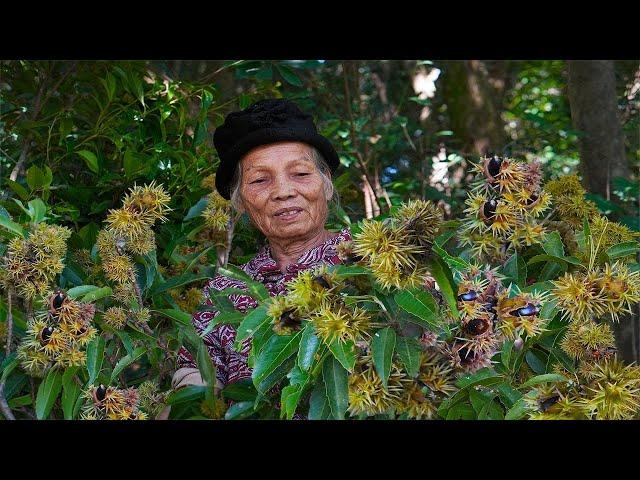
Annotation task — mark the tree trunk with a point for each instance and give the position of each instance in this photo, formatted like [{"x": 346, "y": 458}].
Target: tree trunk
[
  {"x": 594, "y": 111},
  {"x": 474, "y": 93}
]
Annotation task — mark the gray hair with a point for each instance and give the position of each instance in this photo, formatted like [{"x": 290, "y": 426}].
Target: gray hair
[{"x": 313, "y": 155}]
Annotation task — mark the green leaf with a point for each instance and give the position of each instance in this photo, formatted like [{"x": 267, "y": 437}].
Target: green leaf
[
  {"x": 179, "y": 281},
  {"x": 382, "y": 347},
  {"x": 336, "y": 382},
  {"x": 35, "y": 178},
  {"x": 491, "y": 411},
  {"x": 344, "y": 352},
  {"x": 319, "y": 408},
  {"x": 552, "y": 270},
  {"x": 409, "y": 352},
  {"x": 8, "y": 365},
  {"x": 534, "y": 361},
  {"x": 421, "y": 304},
  {"x": 508, "y": 395},
  {"x": 134, "y": 163},
  {"x": 623, "y": 250},
  {"x": 97, "y": 294},
  {"x": 240, "y": 391},
  {"x": 442, "y": 274},
  {"x": 505, "y": 354},
  {"x": 207, "y": 99},
  {"x": 277, "y": 349},
  {"x": 12, "y": 226},
  {"x": 552, "y": 244},
  {"x": 484, "y": 376},
  {"x": 22, "y": 401},
  {"x": 37, "y": 210},
  {"x": 47, "y": 393},
  {"x": 461, "y": 411},
  {"x": 126, "y": 341},
  {"x": 276, "y": 376},
  {"x": 126, "y": 361},
  {"x": 256, "y": 289},
  {"x": 206, "y": 367},
  {"x": 91, "y": 160},
  {"x": 186, "y": 394},
  {"x": 239, "y": 410},
  {"x": 547, "y": 377},
  {"x": 70, "y": 392},
  {"x": 228, "y": 318},
  {"x": 551, "y": 258},
  {"x": 517, "y": 411},
  {"x": 81, "y": 290},
  {"x": 289, "y": 75},
  {"x": 251, "y": 323},
  {"x": 95, "y": 356},
  {"x": 18, "y": 189},
  {"x": 179, "y": 316},
  {"x": 309, "y": 343},
  {"x": 289, "y": 399}
]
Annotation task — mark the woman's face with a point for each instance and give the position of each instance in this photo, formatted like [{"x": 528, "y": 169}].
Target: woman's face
[{"x": 282, "y": 191}]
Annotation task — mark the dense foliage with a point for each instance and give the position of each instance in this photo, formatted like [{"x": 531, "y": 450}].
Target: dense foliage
[{"x": 475, "y": 287}]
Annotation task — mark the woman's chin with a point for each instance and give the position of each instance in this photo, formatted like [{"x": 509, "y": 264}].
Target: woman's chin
[{"x": 291, "y": 229}]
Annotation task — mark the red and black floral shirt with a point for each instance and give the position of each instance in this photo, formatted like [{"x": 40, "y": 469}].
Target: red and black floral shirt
[{"x": 231, "y": 365}]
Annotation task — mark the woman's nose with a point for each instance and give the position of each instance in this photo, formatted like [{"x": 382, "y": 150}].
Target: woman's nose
[{"x": 282, "y": 188}]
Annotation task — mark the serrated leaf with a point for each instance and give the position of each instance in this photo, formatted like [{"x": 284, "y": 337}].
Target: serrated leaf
[
  {"x": 239, "y": 410},
  {"x": 179, "y": 316},
  {"x": 252, "y": 321},
  {"x": 97, "y": 294},
  {"x": 70, "y": 392},
  {"x": 48, "y": 391},
  {"x": 186, "y": 394},
  {"x": 81, "y": 290},
  {"x": 344, "y": 352},
  {"x": 552, "y": 244},
  {"x": 319, "y": 408},
  {"x": 409, "y": 351},
  {"x": 276, "y": 351},
  {"x": 335, "y": 378},
  {"x": 518, "y": 411},
  {"x": 95, "y": 356},
  {"x": 442, "y": 274},
  {"x": 382, "y": 348},
  {"x": 126, "y": 361},
  {"x": 623, "y": 250},
  {"x": 289, "y": 398},
  {"x": 421, "y": 304},
  {"x": 309, "y": 343}
]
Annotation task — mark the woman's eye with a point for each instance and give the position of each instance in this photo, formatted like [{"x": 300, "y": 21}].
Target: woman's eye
[
  {"x": 259, "y": 180},
  {"x": 301, "y": 174}
]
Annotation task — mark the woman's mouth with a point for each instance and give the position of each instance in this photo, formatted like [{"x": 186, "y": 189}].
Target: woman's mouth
[{"x": 288, "y": 213}]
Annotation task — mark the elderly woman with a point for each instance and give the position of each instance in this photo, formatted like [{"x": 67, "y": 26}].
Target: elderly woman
[{"x": 275, "y": 167}]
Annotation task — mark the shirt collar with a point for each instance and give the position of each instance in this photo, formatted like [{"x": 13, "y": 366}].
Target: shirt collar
[{"x": 326, "y": 250}]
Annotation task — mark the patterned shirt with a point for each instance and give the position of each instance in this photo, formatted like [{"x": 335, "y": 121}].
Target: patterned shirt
[{"x": 231, "y": 365}]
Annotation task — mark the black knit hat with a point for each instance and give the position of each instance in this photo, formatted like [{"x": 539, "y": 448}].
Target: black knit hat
[{"x": 264, "y": 122}]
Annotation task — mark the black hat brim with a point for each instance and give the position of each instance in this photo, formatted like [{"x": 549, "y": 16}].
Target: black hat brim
[{"x": 266, "y": 136}]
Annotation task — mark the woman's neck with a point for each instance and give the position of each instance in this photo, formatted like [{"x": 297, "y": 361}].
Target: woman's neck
[{"x": 286, "y": 251}]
